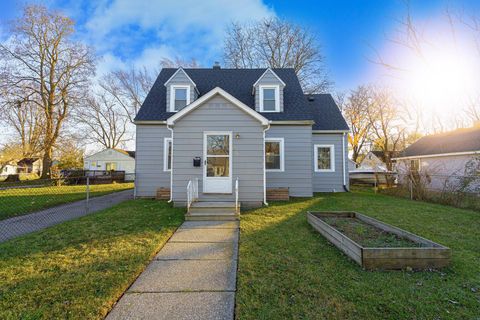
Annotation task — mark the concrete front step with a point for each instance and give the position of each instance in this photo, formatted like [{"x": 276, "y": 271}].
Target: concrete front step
[
  {"x": 211, "y": 217},
  {"x": 210, "y": 210}
]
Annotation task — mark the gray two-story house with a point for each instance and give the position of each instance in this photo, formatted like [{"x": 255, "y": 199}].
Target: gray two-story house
[{"x": 234, "y": 134}]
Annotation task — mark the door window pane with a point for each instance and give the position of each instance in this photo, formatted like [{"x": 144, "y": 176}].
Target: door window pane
[
  {"x": 218, "y": 167},
  {"x": 272, "y": 155},
  {"x": 218, "y": 145},
  {"x": 324, "y": 158}
]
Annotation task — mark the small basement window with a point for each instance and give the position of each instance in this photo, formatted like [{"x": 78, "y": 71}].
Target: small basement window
[
  {"x": 269, "y": 99},
  {"x": 179, "y": 97},
  {"x": 274, "y": 154},
  {"x": 324, "y": 158}
]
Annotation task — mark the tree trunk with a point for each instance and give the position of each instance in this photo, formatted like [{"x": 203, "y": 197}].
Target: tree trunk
[{"x": 46, "y": 162}]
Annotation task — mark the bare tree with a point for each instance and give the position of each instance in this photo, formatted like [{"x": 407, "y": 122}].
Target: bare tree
[
  {"x": 128, "y": 88},
  {"x": 387, "y": 128},
  {"x": 105, "y": 124},
  {"x": 277, "y": 43},
  {"x": 26, "y": 119},
  {"x": 179, "y": 62},
  {"x": 356, "y": 112},
  {"x": 42, "y": 57}
]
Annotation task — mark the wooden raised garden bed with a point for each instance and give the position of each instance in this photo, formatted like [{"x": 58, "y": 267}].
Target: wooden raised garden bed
[{"x": 377, "y": 245}]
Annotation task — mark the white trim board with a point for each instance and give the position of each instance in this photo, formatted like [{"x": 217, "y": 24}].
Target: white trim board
[
  {"x": 332, "y": 157},
  {"x": 466, "y": 153},
  {"x": 282, "y": 153},
  {"x": 220, "y": 180},
  {"x": 269, "y": 69},
  {"x": 165, "y": 154},
  {"x": 277, "y": 97},
  {"x": 197, "y": 103},
  {"x": 173, "y": 87}
]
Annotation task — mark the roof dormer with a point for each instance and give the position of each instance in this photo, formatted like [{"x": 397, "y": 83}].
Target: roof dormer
[
  {"x": 268, "y": 91},
  {"x": 181, "y": 91}
]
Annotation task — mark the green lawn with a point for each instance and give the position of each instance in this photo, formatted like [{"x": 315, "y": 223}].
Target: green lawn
[
  {"x": 289, "y": 271},
  {"x": 78, "y": 269},
  {"x": 14, "y": 202}
]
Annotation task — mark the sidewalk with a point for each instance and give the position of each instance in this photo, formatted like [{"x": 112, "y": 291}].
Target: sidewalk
[
  {"x": 20, "y": 225},
  {"x": 192, "y": 277}
]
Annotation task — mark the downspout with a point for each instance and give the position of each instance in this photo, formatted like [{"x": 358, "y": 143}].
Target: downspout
[
  {"x": 264, "y": 168},
  {"x": 171, "y": 169},
  {"x": 343, "y": 158}
]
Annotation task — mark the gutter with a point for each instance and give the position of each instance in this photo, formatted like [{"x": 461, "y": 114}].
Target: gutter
[
  {"x": 171, "y": 170},
  {"x": 264, "y": 168},
  {"x": 438, "y": 155}
]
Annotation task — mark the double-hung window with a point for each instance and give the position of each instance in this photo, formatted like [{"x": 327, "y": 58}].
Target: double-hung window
[
  {"x": 179, "y": 97},
  {"x": 269, "y": 99},
  {"x": 167, "y": 154},
  {"x": 274, "y": 154},
  {"x": 324, "y": 158}
]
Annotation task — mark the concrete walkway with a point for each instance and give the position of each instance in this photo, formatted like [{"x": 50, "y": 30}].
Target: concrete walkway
[
  {"x": 17, "y": 226},
  {"x": 192, "y": 277}
]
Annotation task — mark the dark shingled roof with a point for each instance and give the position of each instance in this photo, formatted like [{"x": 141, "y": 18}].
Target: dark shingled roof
[
  {"x": 326, "y": 114},
  {"x": 239, "y": 83},
  {"x": 461, "y": 140}
]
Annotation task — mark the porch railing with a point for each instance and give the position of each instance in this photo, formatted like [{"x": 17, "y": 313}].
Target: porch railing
[
  {"x": 236, "y": 197},
  {"x": 192, "y": 192}
]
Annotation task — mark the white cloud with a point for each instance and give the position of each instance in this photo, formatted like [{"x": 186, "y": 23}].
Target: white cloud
[
  {"x": 174, "y": 16},
  {"x": 142, "y": 32}
]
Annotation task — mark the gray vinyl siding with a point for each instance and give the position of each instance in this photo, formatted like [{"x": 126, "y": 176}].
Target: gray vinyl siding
[
  {"x": 217, "y": 114},
  {"x": 180, "y": 79},
  {"x": 297, "y": 175},
  {"x": 149, "y": 160},
  {"x": 330, "y": 181},
  {"x": 268, "y": 79}
]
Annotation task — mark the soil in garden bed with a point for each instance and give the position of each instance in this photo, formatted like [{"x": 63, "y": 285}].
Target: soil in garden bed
[{"x": 367, "y": 235}]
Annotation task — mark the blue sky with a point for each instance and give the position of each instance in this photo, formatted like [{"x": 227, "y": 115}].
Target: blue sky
[{"x": 140, "y": 32}]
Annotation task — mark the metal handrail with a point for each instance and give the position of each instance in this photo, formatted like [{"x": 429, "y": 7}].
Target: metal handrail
[
  {"x": 192, "y": 192},
  {"x": 236, "y": 196}
]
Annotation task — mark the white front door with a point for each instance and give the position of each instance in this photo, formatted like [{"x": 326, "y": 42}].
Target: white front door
[{"x": 217, "y": 168}]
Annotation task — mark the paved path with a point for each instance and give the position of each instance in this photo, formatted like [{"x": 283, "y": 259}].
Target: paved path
[
  {"x": 192, "y": 277},
  {"x": 17, "y": 226}
]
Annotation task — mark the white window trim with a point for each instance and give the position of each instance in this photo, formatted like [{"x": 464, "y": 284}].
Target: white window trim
[
  {"x": 277, "y": 97},
  {"x": 172, "y": 96},
  {"x": 165, "y": 154},
  {"x": 332, "y": 157},
  {"x": 282, "y": 154}
]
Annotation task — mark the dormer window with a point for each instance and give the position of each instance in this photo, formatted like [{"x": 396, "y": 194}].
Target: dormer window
[
  {"x": 269, "y": 98},
  {"x": 179, "y": 97}
]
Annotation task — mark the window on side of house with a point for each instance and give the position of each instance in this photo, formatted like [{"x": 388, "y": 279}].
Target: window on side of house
[
  {"x": 415, "y": 165},
  {"x": 324, "y": 158},
  {"x": 274, "y": 154},
  {"x": 179, "y": 97},
  {"x": 93, "y": 165},
  {"x": 110, "y": 166},
  {"x": 269, "y": 99},
  {"x": 167, "y": 154}
]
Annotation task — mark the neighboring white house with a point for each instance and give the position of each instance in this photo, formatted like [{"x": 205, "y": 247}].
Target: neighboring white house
[
  {"x": 9, "y": 169},
  {"x": 443, "y": 157},
  {"x": 111, "y": 159}
]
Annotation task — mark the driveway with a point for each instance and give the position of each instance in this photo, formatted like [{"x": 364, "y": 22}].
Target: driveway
[{"x": 17, "y": 226}]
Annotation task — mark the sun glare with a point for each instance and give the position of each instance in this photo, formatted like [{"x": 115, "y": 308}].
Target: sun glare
[{"x": 444, "y": 78}]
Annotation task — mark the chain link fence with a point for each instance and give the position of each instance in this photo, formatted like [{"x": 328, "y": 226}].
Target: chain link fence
[
  {"x": 30, "y": 205},
  {"x": 461, "y": 191}
]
